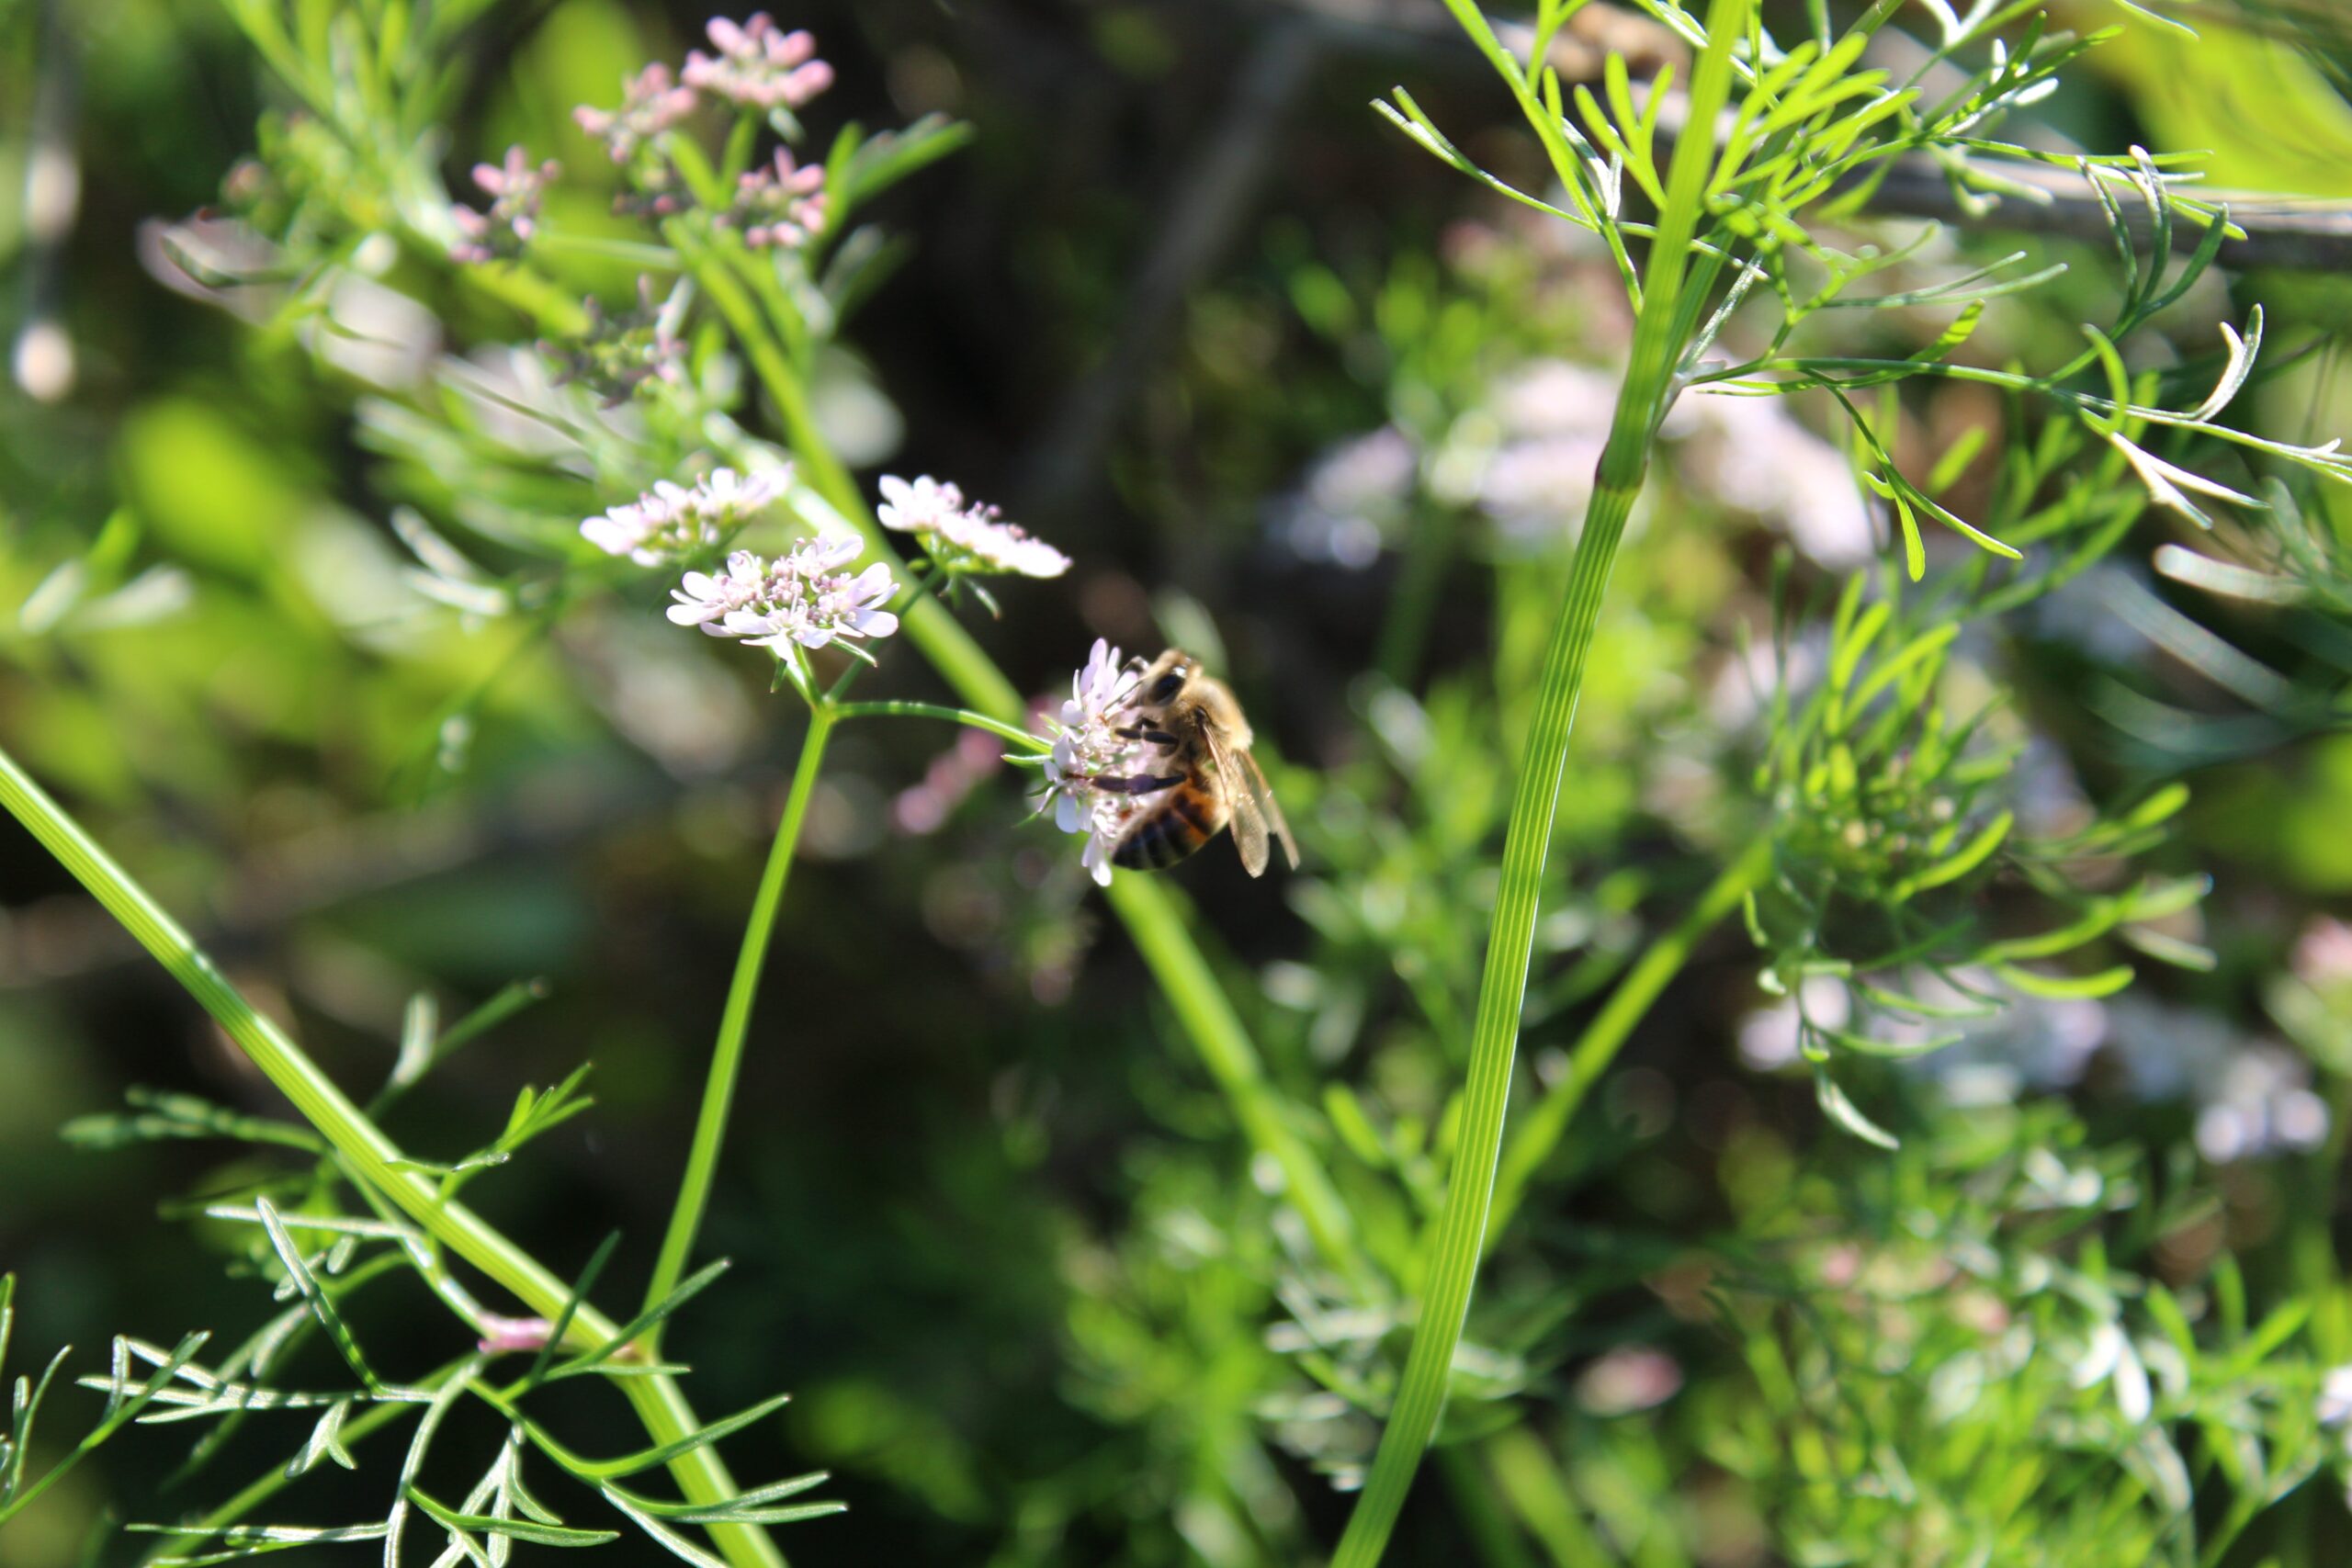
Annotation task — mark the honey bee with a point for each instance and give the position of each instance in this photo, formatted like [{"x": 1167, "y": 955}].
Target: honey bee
[{"x": 1211, "y": 782}]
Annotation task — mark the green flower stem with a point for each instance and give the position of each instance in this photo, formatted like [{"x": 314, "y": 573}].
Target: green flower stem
[
  {"x": 735, "y": 1022},
  {"x": 371, "y": 1156},
  {"x": 1542, "y": 1130},
  {"x": 1012, "y": 732},
  {"x": 1661, "y": 330},
  {"x": 1150, "y": 911}
]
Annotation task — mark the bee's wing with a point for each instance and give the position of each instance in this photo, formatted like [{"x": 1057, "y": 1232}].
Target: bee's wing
[
  {"x": 1254, "y": 811},
  {"x": 1263, "y": 798}
]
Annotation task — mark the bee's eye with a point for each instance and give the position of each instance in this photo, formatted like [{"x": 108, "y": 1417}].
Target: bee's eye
[{"x": 1164, "y": 690}]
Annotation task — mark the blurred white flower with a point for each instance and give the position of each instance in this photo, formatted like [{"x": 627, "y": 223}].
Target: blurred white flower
[
  {"x": 1555, "y": 397},
  {"x": 2336, "y": 1396},
  {"x": 1352, "y": 497},
  {"x": 1371, "y": 473},
  {"x": 670, "y": 519},
  {"x": 1629, "y": 1379},
  {"x": 2109, "y": 1355},
  {"x": 923, "y": 807},
  {"x": 961, "y": 537},
  {"x": 800, "y": 597},
  {"x": 1752, "y": 454},
  {"x": 2322, "y": 957},
  {"x": 759, "y": 65},
  {"x": 2253, "y": 1098},
  {"x": 659, "y": 524},
  {"x": 731, "y": 497},
  {"x": 1771, "y": 1037},
  {"x": 918, "y": 506},
  {"x": 2031, "y": 1043},
  {"x": 1539, "y": 488}
]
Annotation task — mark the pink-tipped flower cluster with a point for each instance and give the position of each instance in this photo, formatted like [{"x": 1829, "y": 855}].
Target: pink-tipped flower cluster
[
  {"x": 652, "y": 102},
  {"x": 758, "y": 68},
  {"x": 961, "y": 536},
  {"x": 672, "y": 520},
  {"x": 516, "y": 188},
  {"x": 803, "y": 597},
  {"x": 1087, "y": 746},
  {"x": 759, "y": 65},
  {"x": 778, "y": 204}
]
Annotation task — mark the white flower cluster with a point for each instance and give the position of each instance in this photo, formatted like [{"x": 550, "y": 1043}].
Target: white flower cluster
[
  {"x": 1088, "y": 745},
  {"x": 963, "y": 537},
  {"x": 803, "y": 596},
  {"x": 670, "y": 520},
  {"x": 759, "y": 65}
]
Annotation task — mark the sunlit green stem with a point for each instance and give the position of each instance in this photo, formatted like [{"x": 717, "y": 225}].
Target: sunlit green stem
[
  {"x": 735, "y": 1021},
  {"x": 371, "y": 1156},
  {"x": 1012, "y": 732},
  {"x": 1540, "y": 1132},
  {"x": 1659, "y": 333}
]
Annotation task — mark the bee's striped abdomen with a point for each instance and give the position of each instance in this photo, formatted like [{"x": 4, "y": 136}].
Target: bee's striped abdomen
[{"x": 1180, "y": 821}]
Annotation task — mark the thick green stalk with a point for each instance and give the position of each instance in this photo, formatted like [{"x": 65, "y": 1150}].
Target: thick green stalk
[
  {"x": 371, "y": 1156},
  {"x": 1540, "y": 1132},
  {"x": 735, "y": 1022},
  {"x": 1459, "y": 1235},
  {"x": 1149, "y": 911}
]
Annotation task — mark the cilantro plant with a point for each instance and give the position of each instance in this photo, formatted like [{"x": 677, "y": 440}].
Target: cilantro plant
[{"x": 1966, "y": 1323}]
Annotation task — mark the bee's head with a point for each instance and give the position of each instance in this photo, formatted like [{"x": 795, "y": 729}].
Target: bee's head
[{"x": 1166, "y": 677}]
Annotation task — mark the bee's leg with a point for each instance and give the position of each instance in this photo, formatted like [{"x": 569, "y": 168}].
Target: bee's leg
[
  {"x": 1156, "y": 736},
  {"x": 1136, "y": 783}
]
